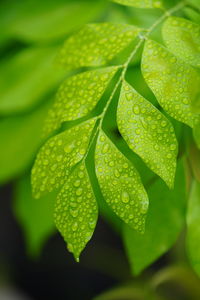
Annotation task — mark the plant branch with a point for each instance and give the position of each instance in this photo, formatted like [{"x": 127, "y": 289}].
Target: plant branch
[{"x": 125, "y": 66}]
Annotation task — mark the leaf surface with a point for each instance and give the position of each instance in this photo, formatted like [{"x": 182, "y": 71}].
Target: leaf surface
[
  {"x": 148, "y": 133},
  {"x": 182, "y": 37},
  {"x": 96, "y": 44},
  {"x": 78, "y": 95},
  {"x": 193, "y": 229},
  {"x": 120, "y": 184},
  {"x": 76, "y": 210},
  {"x": 164, "y": 222},
  {"x": 174, "y": 83},
  {"x": 58, "y": 156},
  {"x": 141, "y": 3}
]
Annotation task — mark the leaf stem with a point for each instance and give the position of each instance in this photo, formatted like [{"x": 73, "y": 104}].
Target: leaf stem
[{"x": 125, "y": 66}]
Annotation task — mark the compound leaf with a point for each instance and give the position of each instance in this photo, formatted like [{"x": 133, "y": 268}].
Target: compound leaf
[
  {"x": 120, "y": 184},
  {"x": 141, "y": 3},
  {"x": 96, "y": 44},
  {"x": 193, "y": 229},
  {"x": 76, "y": 210},
  {"x": 35, "y": 216},
  {"x": 58, "y": 155},
  {"x": 174, "y": 83},
  {"x": 164, "y": 222},
  {"x": 78, "y": 95},
  {"x": 148, "y": 133},
  {"x": 182, "y": 37}
]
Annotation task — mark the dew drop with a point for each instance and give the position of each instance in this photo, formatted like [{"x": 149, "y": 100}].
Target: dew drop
[{"x": 125, "y": 197}]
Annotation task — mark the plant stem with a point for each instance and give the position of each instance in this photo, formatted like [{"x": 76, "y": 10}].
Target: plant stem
[{"x": 126, "y": 65}]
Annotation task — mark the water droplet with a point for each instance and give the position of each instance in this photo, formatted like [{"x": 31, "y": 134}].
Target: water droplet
[
  {"x": 105, "y": 148},
  {"x": 74, "y": 226},
  {"x": 77, "y": 183},
  {"x": 125, "y": 197},
  {"x": 79, "y": 191},
  {"x": 68, "y": 148},
  {"x": 136, "y": 109}
]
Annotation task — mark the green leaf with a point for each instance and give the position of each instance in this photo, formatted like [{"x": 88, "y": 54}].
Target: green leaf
[
  {"x": 148, "y": 133},
  {"x": 194, "y": 3},
  {"x": 52, "y": 20},
  {"x": 141, "y": 3},
  {"x": 120, "y": 184},
  {"x": 34, "y": 215},
  {"x": 192, "y": 14},
  {"x": 193, "y": 228},
  {"x": 196, "y": 133},
  {"x": 195, "y": 104},
  {"x": 56, "y": 158},
  {"x": 20, "y": 138},
  {"x": 96, "y": 44},
  {"x": 194, "y": 161},
  {"x": 27, "y": 77},
  {"x": 76, "y": 210},
  {"x": 174, "y": 83},
  {"x": 78, "y": 95},
  {"x": 164, "y": 222},
  {"x": 182, "y": 37}
]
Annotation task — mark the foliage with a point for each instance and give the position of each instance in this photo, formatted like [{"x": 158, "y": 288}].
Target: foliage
[
  {"x": 171, "y": 72},
  {"x": 111, "y": 141}
]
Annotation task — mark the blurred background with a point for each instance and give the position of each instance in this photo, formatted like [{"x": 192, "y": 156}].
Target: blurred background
[{"x": 34, "y": 261}]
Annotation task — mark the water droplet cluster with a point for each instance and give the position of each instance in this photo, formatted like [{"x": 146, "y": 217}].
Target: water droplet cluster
[
  {"x": 182, "y": 37},
  {"x": 148, "y": 133},
  {"x": 58, "y": 155},
  {"x": 141, "y": 3},
  {"x": 96, "y": 44},
  {"x": 76, "y": 210},
  {"x": 174, "y": 83},
  {"x": 78, "y": 95},
  {"x": 120, "y": 184}
]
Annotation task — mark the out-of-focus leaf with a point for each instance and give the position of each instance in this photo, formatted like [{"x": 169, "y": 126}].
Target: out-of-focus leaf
[
  {"x": 164, "y": 222},
  {"x": 194, "y": 159},
  {"x": 196, "y": 133},
  {"x": 20, "y": 137},
  {"x": 141, "y": 3},
  {"x": 192, "y": 14},
  {"x": 35, "y": 216},
  {"x": 194, "y": 3},
  {"x": 193, "y": 232},
  {"x": 47, "y": 20},
  {"x": 26, "y": 78}
]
